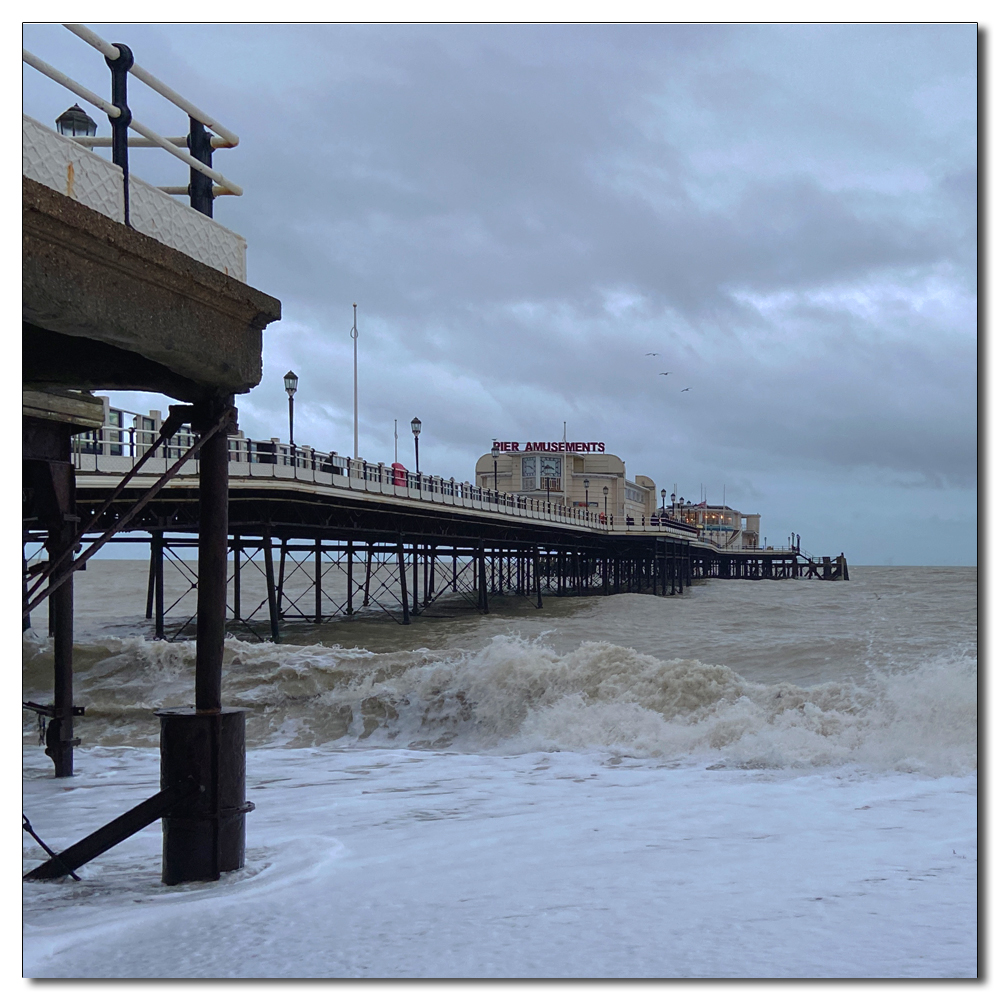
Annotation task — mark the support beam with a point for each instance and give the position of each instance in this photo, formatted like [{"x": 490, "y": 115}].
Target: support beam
[
  {"x": 213, "y": 555},
  {"x": 401, "y": 560},
  {"x": 272, "y": 597},
  {"x": 319, "y": 581},
  {"x": 237, "y": 572}
]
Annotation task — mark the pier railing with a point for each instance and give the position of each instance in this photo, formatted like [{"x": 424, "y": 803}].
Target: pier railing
[
  {"x": 113, "y": 451},
  {"x": 66, "y": 162}
]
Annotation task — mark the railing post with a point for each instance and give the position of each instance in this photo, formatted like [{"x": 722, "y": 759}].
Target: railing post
[
  {"x": 200, "y": 187},
  {"x": 119, "y": 126}
]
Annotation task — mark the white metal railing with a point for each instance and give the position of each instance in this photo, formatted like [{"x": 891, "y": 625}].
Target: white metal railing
[
  {"x": 113, "y": 450},
  {"x": 112, "y": 52}
]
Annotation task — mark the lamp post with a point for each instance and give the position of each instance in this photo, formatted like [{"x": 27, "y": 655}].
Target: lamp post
[
  {"x": 415, "y": 427},
  {"x": 586, "y": 494},
  {"x": 605, "y": 503},
  {"x": 495, "y": 452},
  {"x": 75, "y": 121},
  {"x": 291, "y": 384},
  {"x": 663, "y": 502}
]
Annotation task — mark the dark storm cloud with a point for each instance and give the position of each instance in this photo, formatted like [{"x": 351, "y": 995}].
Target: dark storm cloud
[{"x": 786, "y": 214}]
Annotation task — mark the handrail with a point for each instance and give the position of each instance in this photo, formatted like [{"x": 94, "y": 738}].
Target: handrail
[
  {"x": 112, "y": 52},
  {"x": 326, "y": 468},
  {"x": 185, "y": 157},
  {"x": 70, "y": 84},
  {"x": 198, "y": 141}
]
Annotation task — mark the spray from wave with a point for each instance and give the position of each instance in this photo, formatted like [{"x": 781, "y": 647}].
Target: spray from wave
[{"x": 517, "y": 696}]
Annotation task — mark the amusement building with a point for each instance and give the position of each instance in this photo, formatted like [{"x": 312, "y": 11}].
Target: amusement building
[{"x": 585, "y": 474}]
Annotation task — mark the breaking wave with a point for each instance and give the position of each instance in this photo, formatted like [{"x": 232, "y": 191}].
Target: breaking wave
[{"x": 517, "y": 696}]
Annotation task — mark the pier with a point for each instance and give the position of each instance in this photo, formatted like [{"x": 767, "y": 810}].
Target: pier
[
  {"x": 335, "y": 537},
  {"x": 125, "y": 288}
]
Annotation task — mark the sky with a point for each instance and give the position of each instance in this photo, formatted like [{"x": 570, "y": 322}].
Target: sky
[{"x": 537, "y": 220}]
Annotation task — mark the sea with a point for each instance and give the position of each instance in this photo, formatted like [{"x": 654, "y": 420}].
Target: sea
[{"x": 750, "y": 780}]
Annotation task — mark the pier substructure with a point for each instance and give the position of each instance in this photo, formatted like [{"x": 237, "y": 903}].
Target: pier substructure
[{"x": 107, "y": 307}]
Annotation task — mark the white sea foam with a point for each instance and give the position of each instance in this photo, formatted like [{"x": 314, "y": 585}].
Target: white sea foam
[{"x": 516, "y": 695}]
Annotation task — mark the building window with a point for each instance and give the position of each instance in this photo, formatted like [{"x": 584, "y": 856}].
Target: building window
[
  {"x": 634, "y": 495},
  {"x": 145, "y": 432},
  {"x": 529, "y": 472},
  {"x": 115, "y": 419},
  {"x": 550, "y": 467}
]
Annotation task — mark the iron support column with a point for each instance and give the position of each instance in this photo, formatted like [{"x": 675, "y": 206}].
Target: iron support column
[
  {"x": 59, "y": 740},
  {"x": 213, "y": 559}
]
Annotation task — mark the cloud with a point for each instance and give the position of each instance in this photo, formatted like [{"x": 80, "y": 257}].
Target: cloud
[{"x": 787, "y": 214}]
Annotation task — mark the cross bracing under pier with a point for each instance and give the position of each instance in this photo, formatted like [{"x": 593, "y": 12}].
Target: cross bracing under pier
[{"x": 308, "y": 546}]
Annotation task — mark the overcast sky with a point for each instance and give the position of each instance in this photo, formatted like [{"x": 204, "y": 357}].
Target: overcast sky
[{"x": 785, "y": 215}]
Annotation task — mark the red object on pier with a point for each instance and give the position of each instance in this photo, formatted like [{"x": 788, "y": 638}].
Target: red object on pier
[{"x": 398, "y": 474}]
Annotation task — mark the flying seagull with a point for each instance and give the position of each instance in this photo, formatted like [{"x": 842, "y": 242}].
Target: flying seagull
[
  {"x": 651, "y": 354},
  {"x": 666, "y": 373},
  {"x": 688, "y": 389}
]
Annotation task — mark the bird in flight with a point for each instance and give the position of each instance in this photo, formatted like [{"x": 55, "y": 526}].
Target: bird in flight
[
  {"x": 666, "y": 373},
  {"x": 688, "y": 389},
  {"x": 651, "y": 354}
]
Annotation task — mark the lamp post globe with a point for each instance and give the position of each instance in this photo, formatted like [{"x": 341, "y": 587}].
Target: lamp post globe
[
  {"x": 75, "y": 121},
  {"x": 415, "y": 426},
  {"x": 495, "y": 452},
  {"x": 291, "y": 384}
]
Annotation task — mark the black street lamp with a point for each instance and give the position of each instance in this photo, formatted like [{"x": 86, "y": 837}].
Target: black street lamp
[
  {"x": 415, "y": 427},
  {"x": 75, "y": 121},
  {"x": 586, "y": 494},
  {"x": 663, "y": 501},
  {"x": 291, "y": 384},
  {"x": 605, "y": 503},
  {"x": 496, "y": 454}
]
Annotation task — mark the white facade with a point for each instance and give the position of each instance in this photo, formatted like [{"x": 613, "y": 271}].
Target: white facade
[{"x": 565, "y": 473}]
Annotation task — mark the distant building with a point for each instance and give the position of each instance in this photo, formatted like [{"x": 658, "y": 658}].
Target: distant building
[
  {"x": 718, "y": 523},
  {"x": 572, "y": 473}
]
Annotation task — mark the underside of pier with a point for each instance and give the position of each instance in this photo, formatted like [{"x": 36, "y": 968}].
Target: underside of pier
[{"x": 106, "y": 307}]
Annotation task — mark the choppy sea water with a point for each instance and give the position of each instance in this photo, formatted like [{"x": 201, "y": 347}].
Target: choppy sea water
[{"x": 765, "y": 720}]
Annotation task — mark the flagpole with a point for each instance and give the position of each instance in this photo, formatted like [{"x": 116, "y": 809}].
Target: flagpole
[{"x": 354, "y": 337}]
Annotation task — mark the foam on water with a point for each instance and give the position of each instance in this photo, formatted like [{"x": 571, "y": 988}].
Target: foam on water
[{"x": 516, "y": 695}]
